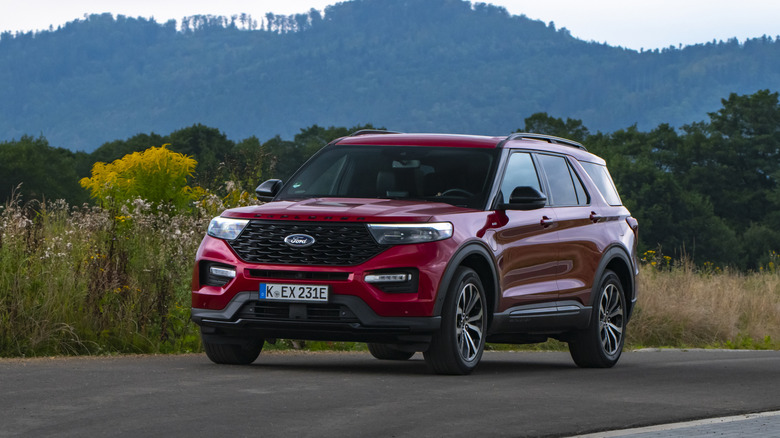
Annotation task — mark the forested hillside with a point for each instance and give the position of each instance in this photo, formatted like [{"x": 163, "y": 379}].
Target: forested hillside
[{"x": 412, "y": 65}]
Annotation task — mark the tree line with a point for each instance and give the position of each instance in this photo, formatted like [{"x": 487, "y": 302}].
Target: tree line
[
  {"x": 708, "y": 191},
  {"x": 31, "y": 168}
]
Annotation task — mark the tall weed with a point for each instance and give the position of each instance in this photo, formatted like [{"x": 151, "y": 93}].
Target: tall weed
[{"x": 84, "y": 281}]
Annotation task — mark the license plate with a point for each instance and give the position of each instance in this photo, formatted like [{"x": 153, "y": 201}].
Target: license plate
[{"x": 293, "y": 292}]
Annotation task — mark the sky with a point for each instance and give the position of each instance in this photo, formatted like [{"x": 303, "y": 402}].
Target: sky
[{"x": 634, "y": 24}]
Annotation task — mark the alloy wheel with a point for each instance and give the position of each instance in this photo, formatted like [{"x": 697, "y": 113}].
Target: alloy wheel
[
  {"x": 470, "y": 322},
  {"x": 611, "y": 321}
]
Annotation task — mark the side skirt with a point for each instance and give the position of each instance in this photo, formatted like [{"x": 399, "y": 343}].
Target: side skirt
[{"x": 536, "y": 322}]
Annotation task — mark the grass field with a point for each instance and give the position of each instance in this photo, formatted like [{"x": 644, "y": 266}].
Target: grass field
[
  {"x": 685, "y": 306},
  {"x": 84, "y": 280}
]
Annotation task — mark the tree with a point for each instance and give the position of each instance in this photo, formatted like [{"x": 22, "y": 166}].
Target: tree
[
  {"x": 243, "y": 167},
  {"x": 735, "y": 160},
  {"x": 541, "y": 123},
  {"x": 671, "y": 216},
  {"x": 119, "y": 148},
  {"x": 282, "y": 158},
  {"x": 742, "y": 172},
  {"x": 39, "y": 170},
  {"x": 209, "y": 146}
]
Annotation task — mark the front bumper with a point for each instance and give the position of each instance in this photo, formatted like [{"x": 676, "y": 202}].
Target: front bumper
[{"x": 343, "y": 318}]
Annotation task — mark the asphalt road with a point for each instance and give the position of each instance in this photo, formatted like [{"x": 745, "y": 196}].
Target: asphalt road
[{"x": 352, "y": 394}]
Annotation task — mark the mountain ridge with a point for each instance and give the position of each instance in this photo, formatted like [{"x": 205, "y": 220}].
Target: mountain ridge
[{"x": 412, "y": 65}]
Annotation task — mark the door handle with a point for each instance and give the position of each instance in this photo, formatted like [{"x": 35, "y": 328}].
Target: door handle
[
  {"x": 595, "y": 217},
  {"x": 546, "y": 221}
]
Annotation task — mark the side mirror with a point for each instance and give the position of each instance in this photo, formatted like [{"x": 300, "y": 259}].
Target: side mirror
[
  {"x": 525, "y": 198},
  {"x": 268, "y": 190}
]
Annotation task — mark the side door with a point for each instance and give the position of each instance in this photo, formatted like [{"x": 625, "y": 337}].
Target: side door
[
  {"x": 581, "y": 243},
  {"x": 526, "y": 242}
]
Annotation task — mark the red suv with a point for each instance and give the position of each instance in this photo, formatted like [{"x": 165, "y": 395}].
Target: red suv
[{"x": 425, "y": 242}]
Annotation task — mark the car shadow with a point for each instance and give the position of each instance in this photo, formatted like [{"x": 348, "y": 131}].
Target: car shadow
[{"x": 358, "y": 363}]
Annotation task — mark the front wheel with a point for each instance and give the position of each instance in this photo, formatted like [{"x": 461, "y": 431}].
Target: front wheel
[
  {"x": 238, "y": 352},
  {"x": 458, "y": 345},
  {"x": 600, "y": 345}
]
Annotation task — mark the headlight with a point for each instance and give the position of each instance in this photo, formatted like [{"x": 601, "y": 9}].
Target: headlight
[
  {"x": 226, "y": 228},
  {"x": 399, "y": 234}
]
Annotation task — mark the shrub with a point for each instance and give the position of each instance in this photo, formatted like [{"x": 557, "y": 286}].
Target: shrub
[{"x": 156, "y": 175}]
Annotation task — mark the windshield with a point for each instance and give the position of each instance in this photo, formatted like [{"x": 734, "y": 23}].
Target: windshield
[{"x": 457, "y": 176}]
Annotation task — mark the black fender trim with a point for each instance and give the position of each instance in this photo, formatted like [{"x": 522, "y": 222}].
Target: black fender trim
[
  {"x": 473, "y": 247},
  {"x": 616, "y": 252}
]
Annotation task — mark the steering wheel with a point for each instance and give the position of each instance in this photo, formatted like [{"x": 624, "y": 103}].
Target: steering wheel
[{"x": 456, "y": 192}]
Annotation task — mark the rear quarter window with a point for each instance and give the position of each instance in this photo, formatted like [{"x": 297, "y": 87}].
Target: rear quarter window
[{"x": 603, "y": 180}]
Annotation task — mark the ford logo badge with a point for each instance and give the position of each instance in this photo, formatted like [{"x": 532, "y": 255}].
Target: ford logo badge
[{"x": 299, "y": 240}]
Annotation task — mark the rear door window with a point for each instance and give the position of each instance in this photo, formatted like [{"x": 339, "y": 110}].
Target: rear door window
[{"x": 565, "y": 186}]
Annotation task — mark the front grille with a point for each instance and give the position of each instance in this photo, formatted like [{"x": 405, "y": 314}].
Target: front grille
[
  {"x": 341, "y": 244},
  {"x": 313, "y": 312}
]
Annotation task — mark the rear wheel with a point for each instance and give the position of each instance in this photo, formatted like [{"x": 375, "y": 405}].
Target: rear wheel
[
  {"x": 387, "y": 352},
  {"x": 600, "y": 345},
  {"x": 241, "y": 352},
  {"x": 458, "y": 345}
]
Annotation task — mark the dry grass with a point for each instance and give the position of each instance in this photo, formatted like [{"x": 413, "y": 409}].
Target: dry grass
[{"x": 683, "y": 306}]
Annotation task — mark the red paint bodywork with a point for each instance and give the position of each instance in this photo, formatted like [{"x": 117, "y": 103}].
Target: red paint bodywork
[{"x": 535, "y": 262}]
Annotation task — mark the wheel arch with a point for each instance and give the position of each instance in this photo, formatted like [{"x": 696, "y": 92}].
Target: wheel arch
[
  {"x": 478, "y": 257},
  {"x": 617, "y": 260}
]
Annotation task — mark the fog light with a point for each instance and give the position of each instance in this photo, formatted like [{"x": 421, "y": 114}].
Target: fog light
[
  {"x": 222, "y": 272},
  {"x": 394, "y": 280},
  {"x": 387, "y": 278}
]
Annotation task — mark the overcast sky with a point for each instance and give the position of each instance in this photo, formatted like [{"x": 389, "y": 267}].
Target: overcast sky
[{"x": 633, "y": 24}]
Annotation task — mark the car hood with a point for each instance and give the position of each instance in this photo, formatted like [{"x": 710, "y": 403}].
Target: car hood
[{"x": 347, "y": 209}]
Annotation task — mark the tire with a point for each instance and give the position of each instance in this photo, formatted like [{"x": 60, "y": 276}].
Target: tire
[
  {"x": 386, "y": 352},
  {"x": 458, "y": 345},
  {"x": 600, "y": 345},
  {"x": 243, "y": 353}
]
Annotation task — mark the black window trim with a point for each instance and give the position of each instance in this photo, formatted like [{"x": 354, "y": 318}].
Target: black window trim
[{"x": 573, "y": 171}]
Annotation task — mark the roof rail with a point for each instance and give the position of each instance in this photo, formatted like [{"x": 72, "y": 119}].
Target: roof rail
[
  {"x": 547, "y": 138},
  {"x": 372, "y": 131}
]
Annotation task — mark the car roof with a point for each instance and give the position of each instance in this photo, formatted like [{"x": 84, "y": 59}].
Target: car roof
[{"x": 527, "y": 141}]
